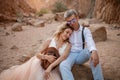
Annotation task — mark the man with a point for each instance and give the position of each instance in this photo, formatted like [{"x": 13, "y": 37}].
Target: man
[{"x": 78, "y": 55}]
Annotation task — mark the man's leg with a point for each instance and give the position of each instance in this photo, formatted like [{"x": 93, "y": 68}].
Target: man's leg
[
  {"x": 82, "y": 56},
  {"x": 66, "y": 65},
  {"x": 96, "y": 71}
]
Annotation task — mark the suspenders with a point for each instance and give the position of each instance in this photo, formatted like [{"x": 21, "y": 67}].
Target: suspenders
[{"x": 83, "y": 38}]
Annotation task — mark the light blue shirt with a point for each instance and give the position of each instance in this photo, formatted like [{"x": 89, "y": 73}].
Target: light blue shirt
[{"x": 76, "y": 40}]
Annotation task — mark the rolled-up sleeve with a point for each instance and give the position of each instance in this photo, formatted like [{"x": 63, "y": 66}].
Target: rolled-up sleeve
[{"x": 89, "y": 40}]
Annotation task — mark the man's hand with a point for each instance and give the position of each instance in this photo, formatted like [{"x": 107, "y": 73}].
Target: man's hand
[{"x": 95, "y": 58}]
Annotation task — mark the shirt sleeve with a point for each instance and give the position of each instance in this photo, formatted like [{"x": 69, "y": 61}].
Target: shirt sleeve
[{"x": 89, "y": 40}]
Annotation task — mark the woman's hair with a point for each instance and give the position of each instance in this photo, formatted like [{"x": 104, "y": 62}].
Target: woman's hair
[{"x": 61, "y": 29}]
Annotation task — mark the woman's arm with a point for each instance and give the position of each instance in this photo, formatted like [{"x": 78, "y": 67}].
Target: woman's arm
[
  {"x": 62, "y": 57},
  {"x": 50, "y": 58},
  {"x": 55, "y": 63}
]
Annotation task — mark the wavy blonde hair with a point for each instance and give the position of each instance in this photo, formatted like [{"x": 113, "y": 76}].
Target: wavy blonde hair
[{"x": 61, "y": 29}]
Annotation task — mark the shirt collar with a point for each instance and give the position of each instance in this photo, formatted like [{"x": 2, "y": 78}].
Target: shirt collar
[{"x": 80, "y": 28}]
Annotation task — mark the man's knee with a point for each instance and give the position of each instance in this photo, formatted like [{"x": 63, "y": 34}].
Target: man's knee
[{"x": 63, "y": 65}]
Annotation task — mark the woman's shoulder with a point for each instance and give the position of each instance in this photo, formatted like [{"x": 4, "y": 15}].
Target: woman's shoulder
[
  {"x": 68, "y": 44},
  {"x": 50, "y": 39}
]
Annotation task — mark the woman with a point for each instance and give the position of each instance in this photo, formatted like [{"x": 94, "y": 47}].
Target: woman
[{"x": 32, "y": 70}]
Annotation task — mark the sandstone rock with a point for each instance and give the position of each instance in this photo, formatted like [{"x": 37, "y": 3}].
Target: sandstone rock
[
  {"x": 17, "y": 27},
  {"x": 39, "y": 24},
  {"x": 118, "y": 34},
  {"x": 30, "y": 21},
  {"x": 108, "y": 10},
  {"x": 14, "y": 47},
  {"x": 99, "y": 33},
  {"x": 36, "y": 22},
  {"x": 1, "y": 44},
  {"x": 32, "y": 14},
  {"x": 115, "y": 26},
  {"x": 7, "y": 33},
  {"x": 7, "y": 18},
  {"x": 82, "y": 72},
  {"x": 81, "y": 14},
  {"x": 59, "y": 17},
  {"x": 11, "y": 8},
  {"x": 1, "y": 60}
]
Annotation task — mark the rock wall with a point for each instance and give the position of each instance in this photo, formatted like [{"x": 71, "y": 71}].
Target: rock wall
[
  {"x": 82, "y": 6},
  {"x": 14, "y": 7},
  {"x": 108, "y": 10},
  {"x": 38, "y": 4}
]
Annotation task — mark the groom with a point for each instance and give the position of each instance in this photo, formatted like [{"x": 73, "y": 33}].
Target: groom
[{"x": 79, "y": 54}]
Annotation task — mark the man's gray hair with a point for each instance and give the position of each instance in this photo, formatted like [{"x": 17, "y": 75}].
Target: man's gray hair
[{"x": 69, "y": 13}]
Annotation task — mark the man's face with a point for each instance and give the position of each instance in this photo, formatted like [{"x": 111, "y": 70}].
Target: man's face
[{"x": 72, "y": 21}]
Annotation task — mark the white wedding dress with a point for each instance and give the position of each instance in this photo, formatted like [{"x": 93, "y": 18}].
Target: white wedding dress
[{"x": 31, "y": 70}]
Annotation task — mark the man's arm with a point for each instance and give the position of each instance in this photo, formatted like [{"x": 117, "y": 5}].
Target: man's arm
[{"x": 91, "y": 46}]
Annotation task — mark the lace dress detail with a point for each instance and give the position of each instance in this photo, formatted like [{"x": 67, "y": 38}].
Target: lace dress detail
[{"x": 53, "y": 44}]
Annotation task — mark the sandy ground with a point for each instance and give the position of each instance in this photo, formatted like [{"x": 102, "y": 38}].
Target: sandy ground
[
  {"x": 109, "y": 52},
  {"x": 15, "y": 44}
]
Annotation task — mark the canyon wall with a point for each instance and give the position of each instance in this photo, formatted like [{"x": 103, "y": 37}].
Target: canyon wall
[{"x": 108, "y": 10}]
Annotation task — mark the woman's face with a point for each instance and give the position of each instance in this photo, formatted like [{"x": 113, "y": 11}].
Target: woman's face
[{"x": 66, "y": 34}]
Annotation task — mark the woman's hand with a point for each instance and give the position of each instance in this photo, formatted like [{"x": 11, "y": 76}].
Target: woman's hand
[
  {"x": 47, "y": 73},
  {"x": 50, "y": 58},
  {"x": 38, "y": 56}
]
